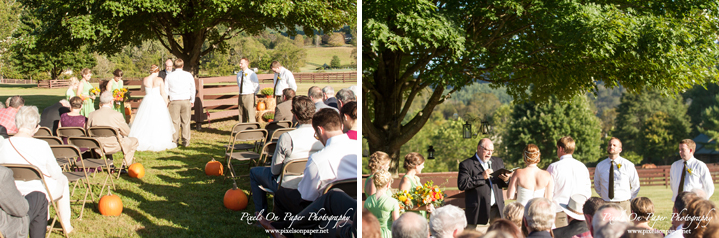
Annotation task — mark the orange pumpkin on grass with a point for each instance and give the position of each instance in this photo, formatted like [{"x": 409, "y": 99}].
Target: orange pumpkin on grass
[
  {"x": 110, "y": 205},
  {"x": 213, "y": 168},
  {"x": 136, "y": 170},
  {"x": 235, "y": 199}
]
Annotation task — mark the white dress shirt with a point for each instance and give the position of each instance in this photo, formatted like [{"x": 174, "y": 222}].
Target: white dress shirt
[
  {"x": 699, "y": 177},
  {"x": 337, "y": 161},
  {"x": 679, "y": 233},
  {"x": 286, "y": 80},
  {"x": 251, "y": 85},
  {"x": 570, "y": 177},
  {"x": 485, "y": 165},
  {"x": 180, "y": 85},
  {"x": 626, "y": 180}
]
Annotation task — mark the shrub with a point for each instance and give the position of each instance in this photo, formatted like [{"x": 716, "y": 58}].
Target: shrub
[{"x": 335, "y": 63}]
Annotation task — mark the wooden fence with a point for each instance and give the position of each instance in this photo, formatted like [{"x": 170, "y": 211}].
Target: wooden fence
[
  {"x": 216, "y": 97},
  {"x": 447, "y": 181},
  {"x": 53, "y": 84},
  {"x": 17, "y": 81}
]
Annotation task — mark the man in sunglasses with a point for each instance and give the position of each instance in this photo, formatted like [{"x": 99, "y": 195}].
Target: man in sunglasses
[{"x": 292, "y": 145}]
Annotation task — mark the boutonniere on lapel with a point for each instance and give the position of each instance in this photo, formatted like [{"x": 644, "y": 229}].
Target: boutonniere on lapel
[
  {"x": 690, "y": 171},
  {"x": 619, "y": 166},
  {"x": 247, "y": 75}
]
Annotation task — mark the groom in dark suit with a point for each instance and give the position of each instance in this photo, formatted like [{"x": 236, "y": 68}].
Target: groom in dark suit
[{"x": 484, "y": 200}]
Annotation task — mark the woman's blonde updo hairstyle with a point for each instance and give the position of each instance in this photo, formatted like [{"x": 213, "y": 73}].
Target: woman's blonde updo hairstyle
[
  {"x": 531, "y": 154},
  {"x": 382, "y": 178},
  {"x": 376, "y": 160}
]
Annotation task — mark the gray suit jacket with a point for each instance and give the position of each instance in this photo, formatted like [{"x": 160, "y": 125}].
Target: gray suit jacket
[
  {"x": 283, "y": 111},
  {"x": 13, "y": 207}
]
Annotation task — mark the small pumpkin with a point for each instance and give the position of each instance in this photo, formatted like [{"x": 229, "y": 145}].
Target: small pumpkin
[
  {"x": 110, "y": 205},
  {"x": 235, "y": 199},
  {"x": 213, "y": 168},
  {"x": 136, "y": 170},
  {"x": 261, "y": 106}
]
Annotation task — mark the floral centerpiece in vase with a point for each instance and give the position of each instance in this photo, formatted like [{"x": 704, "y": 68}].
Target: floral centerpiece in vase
[
  {"x": 120, "y": 96},
  {"x": 420, "y": 197}
]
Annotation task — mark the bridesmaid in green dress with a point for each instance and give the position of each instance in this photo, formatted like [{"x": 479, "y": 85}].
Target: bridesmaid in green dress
[
  {"x": 71, "y": 91},
  {"x": 83, "y": 89},
  {"x": 413, "y": 163},
  {"x": 381, "y": 204},
  {"x": 117, "y": 83},
  {"x": 378, "y": 161}
]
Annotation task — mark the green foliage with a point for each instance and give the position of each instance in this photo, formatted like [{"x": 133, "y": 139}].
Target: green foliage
[
  {"x": 446, "y": 138},
  {"x": 710, "y": 124},
  {"x": 291, "y": 56},
  {"x": 633, "y": 113},
  {"x": 268, "y": 115},
  {"x": 267, "y": 91},
  {"x": 699, "y": 98},
  {"x": 660, "y": 136},
  {"x": 188, "y": 29},
  {"x": 9, "y": 17},
  {"x": 335, "y": 63},
  {"x": 544, "y": 124},
  {"x": 560, "y": 48},
  {"x": 299, "y": 41},
  {"x": 632, "y": 156}
]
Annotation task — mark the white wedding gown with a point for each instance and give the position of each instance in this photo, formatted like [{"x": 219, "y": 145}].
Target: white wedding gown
[
  {"x": 152, "y": 125},
  {"x": 524, "y": 195}
]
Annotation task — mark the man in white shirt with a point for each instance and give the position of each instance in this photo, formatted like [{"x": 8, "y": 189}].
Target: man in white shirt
[
  {"x": 180, "y": 87},
  {"x": 615, "y": 178},
  {"x": 689, "y": 173},
  {"x": 570, "y": 177},
  {"x": 337, "y": 161},
  {"x": 249, "y": 86},
  {"x": 283, "y": 79},
  {"x": 293, "y": 145}
]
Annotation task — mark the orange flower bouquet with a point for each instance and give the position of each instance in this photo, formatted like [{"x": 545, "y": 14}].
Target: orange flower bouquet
[
  {"x": 95, "y": 92},
  {"x": 419, "y": 197},
  {"x": 120, "y": 96}
]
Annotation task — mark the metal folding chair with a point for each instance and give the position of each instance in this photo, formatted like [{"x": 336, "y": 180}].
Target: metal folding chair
[
  {"x": 71, "y": 152},
  {"x": 276, "y": 125},
  {"x": 349, "y": 186},
  {"x": 237, "y": 128},
  {"x": 26, "y": 172},
  {"x": 43, "y": 131},
  {"x": 292, "y": 168},
  {"x": 252, "y": 136},
  {"x": 65, "y": 132},
  {"x": 90, "y": 144},
  {"x": 277, "y": 133},
  {"x": 51, "y": 140},
  {"x": 106, "y": 131}
]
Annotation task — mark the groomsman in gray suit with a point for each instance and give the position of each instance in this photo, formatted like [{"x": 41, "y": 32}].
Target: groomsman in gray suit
[
  {"x": 249, "y": 86},
  {"x": 180, "y": 87}
]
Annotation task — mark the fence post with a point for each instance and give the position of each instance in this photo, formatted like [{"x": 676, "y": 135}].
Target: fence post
[
  {"x": 199, "y": 97},
  {"x": 666, "y": 178}
]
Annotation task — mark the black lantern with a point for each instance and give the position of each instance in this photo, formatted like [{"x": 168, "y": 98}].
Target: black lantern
[
  {"x": 430, "y": 152},
  {"x": 467, "y": 133}
]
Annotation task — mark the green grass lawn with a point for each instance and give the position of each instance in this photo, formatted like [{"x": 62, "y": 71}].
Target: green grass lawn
[
  {"x": 175, "y": 198},
  {"x": 318, "y": 56}
]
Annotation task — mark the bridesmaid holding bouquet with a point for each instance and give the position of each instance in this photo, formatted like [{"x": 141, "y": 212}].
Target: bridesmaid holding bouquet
[{"x": 83, "y": 91}]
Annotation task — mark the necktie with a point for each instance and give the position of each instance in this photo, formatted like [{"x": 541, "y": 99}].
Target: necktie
[
  {"x": 681, "y": 181},
  {"x": 611, "y": 180},
  {"x": 242, "y": 81}
]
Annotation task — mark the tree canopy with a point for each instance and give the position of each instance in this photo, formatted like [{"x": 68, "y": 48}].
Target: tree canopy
[
  {"x": 560, "y": 48},
  {"x": 188, "y": 29}
]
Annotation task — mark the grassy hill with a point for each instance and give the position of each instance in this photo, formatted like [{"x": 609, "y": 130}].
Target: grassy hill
[{"x": 317, "y": 56}]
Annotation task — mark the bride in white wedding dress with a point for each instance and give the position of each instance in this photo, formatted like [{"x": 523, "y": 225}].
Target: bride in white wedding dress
[
  {"x": 152, "y": 125},
  {"x": 530, "y": 182}
]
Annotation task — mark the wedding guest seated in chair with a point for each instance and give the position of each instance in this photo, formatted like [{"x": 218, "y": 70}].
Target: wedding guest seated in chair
[
  {"x": 20, "y": 216},
  {"x": 73, "y": 118},
  {"x": 107, "y": 116},
  {"x": 24, "y": 149}
]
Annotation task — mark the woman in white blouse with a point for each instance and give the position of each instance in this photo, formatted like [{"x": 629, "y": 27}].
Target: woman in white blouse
[{"x": 24, "y": 149}]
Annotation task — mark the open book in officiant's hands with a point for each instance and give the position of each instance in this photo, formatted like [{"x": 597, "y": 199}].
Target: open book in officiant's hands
[{"x": 502, "y": 171}]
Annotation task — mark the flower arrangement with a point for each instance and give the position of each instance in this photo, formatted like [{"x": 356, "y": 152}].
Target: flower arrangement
[
  {"x": 95, "y": 91},
  {"x": 120, "y": 96},
  {"x": 268, "y": 91},
  {"x": 420, "y": 196}
]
